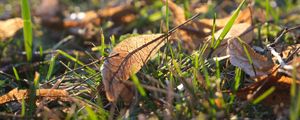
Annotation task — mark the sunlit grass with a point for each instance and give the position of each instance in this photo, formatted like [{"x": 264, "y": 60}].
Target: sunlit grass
[{"x": 27, "y": 29}]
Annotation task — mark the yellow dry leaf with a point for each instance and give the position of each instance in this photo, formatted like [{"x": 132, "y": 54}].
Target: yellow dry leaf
[
  {"x": 127, "y": 58},
  {"x": 9, "y": 27},
  {"x": 16, "y": 95},
  {"x": 238, "y": 57}
]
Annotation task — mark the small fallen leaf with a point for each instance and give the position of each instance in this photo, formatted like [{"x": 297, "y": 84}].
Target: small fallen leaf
[
  {"x": 119, "y": 14},
  {"x": 295, "y": 68},
  {"x": 192, "y": 35},
  {"x": 50, "y": 13},
  {"x": 281, "y": 94},
  {"x": 267, "y": 75},
  {"x": 17, "y": 95},
  {"x": 9, "y": 27},
  {"x": 287, "y": 50},
  {"x": 127, "y": 58},
  {"x": 242, "y": 30},
  {"x": 245, "y": 16},
  {"x": 199, "y": 8},
  {"x": 179, "y": 18},
  {"x": 238, "y": 51}
]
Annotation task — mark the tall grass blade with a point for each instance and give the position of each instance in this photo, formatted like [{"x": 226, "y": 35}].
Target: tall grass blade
[
  {"x": 247, "y": 54},
  {"x": 16, "y": 74},
  {"x": 237, "y": 78},
  {"x": 213, "y": 39},
  {"x": 75, "y": 60},
  {"x": 27, "y": 29},
  {"x": 263, "y": 96},
  {"x": 138, "y": 85},
  {"x": 229, "y": 25},
  {"x": 51, "y": 67},
  {"x": 91, "y": 114}
]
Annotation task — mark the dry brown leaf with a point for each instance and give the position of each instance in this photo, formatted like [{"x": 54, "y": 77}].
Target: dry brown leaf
[
  {"x": 193, "y": 34},
  {"x": 199, "y": 8},
  {"x": 287, "y": 50},
  {"x": 179, "y": 18},
  {"x": 123, "y": 63},
  {"x": 242, "y": 30},
  {"x": 238, "y": 57},
  {"x": 17, "y": 95},
  {"x": 85, "y": 24},
  {"x": 48, "y": 8},
  {"x": 50, "y": 13},
  {"x": 9, "y": 27},
  {"x": 121, "y": 14},
  {"x": 282, "y": 84},
  {"x": 295, "y": 72},
  {"x": 245, "y": 16}
]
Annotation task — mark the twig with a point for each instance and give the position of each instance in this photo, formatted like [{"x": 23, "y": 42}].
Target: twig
[
  {"x": 285, "y": 30},
  {"x": 276, "y": 41}
]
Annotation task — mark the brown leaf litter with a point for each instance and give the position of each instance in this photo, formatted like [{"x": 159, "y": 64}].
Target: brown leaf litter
[
  {"x": 18, "y": 95},
  {"x": 127, "y": 58},
  {"x": 9, "y": 27},
  {"x": 238, "y": 57},
  {"x": 194, "y": 33},
  {"x": 267, "y": 75}
]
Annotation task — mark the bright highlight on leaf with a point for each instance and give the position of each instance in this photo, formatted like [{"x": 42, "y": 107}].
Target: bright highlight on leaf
[{"x": 9, "y": 27}]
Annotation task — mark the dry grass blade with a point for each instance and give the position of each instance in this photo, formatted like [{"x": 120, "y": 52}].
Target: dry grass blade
[
  {"x": 238, "y": 57},
  {"x": 123, "y": 65},
  {"x": 9, "y": 27},
  {"x": 17, "y": 95}
]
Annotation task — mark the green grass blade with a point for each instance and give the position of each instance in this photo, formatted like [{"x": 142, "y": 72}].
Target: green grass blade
[
  {"x": 218, "y": 71},
  {"x": 295, "y": 108},
  {"x": 237, "y": 78},
  {"x": 113, "y": 40},
  {"x": 70, "y": 57},
  {"x": 167, "y": 15},
  {"x": 247, "y": 54},
  {"x": 206, "y": 74},
  {"x": 138, "y": 85},
  {"x": 187, "y": 13},
  {"x": 103, "y": 46},
  {"x": 41, "y": 51},
  {"x": 263, "y": 96},
  {"x": 213, "y": 39},
  {"x": 16, "y": 74},
  {"x": 91, "y": 114},
  {"x": 229, "y": 24},
  {"x": 75, "y": 60},
  {"x": 27, "y": 29},
  {"x": 23, "y": 109},
  {"x": 51, "y": 67}
]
